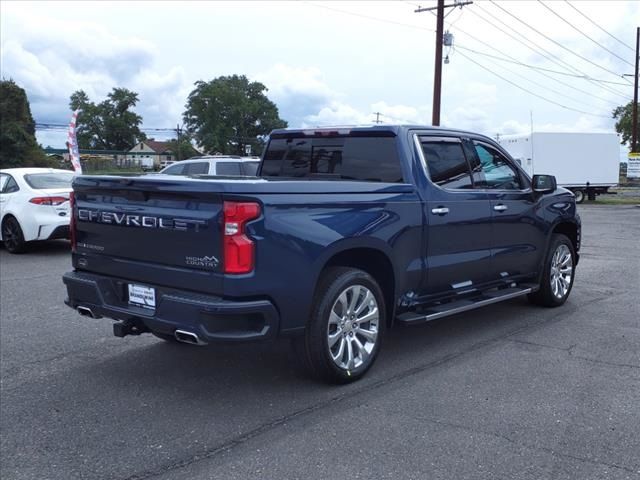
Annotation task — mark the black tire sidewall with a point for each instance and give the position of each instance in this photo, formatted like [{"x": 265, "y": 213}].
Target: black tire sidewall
[
  {"x": 545, "y": 295},
  {"x": 332, "y": 284},
  {"x": 20, "y": 246}
]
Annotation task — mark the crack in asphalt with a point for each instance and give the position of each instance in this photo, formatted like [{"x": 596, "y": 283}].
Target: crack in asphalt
[
  {"x": 536, "y": 448},
  {"x": 603, "y": 362},
  {"x": 266, "y": 427},
  {"x": 33, "y": 277},
  {"x": 570, "y": 350}
]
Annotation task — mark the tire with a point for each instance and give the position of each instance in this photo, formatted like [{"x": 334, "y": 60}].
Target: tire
[
  {"x": 579, "y": 195},
  {"x": 12, "y": 235},
  {"x": 335, "y": 348},
  {"x": 555, "y": 286}
]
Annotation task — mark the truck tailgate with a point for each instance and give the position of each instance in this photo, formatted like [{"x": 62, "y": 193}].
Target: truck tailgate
[{"x": 157, "y": 231}]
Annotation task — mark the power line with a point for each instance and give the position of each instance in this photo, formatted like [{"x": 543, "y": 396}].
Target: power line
[
  {"x": 536, "y": 83},
  {"x": 514, "y": 60},
  {"x": 582, "y": 33},
  {"x": 369, "y": 17},
  {"x": 545, "y": 53},
  {"x": 63, "y": 126},
  {"x": 529, "y": 91},
  {"x": 561, "y": 94},
  {"x": 581, "y": 75},
  {"x": 535, "y": 67},
  {"x": 594, "y": 23},
  {"x": 553, "y": 41}
]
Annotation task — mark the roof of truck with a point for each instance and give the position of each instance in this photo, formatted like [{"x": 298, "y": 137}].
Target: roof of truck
[
  {"x": 346, "y": 129},
  {"x": 380, "y": 130}
]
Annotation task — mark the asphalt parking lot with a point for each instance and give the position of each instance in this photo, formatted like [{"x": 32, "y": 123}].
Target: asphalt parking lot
[{"x": 507, "y": 392}]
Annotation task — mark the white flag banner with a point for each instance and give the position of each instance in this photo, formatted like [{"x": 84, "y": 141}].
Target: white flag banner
[{"x": 72, "y": 143}]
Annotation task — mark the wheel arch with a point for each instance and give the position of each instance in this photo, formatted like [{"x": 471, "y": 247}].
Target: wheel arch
[
  {"x": 376, "y": 263},
  {"x": 570, "y": 230},
  {"x": 4, "y": 217}
]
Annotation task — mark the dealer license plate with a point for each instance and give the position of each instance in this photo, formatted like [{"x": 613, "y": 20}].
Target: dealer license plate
[{"x": 142, "y": 296}]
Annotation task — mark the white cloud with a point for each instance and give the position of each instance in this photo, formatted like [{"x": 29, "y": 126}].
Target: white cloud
[
  {"x": 320, "y": 66},
  {"x": 297, "y": 91},
  {"x": 336, "y": 114},
  {"x": 51, "y": 59},
  {"x": 401, "y": 113},
  {"x": 468, "y": 118}
]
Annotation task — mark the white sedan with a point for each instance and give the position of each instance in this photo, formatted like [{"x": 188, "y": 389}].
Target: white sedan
[{"x": 34, "y": 205}]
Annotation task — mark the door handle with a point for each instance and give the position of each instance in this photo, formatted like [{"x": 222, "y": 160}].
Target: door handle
[
  {"x": 500, "y": 208},
  {"x": 440, "y": 211}
]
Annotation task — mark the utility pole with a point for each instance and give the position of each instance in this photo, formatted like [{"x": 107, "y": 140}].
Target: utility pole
[
  {"x": 377, "y": 120},
  {"x": 178, "y": 133},
  {"x": 437, "y": 73},
  {"x": 634, "y": 122}
]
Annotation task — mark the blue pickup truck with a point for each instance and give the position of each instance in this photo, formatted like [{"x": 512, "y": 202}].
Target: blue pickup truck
[{"x": 344, "y": 233}]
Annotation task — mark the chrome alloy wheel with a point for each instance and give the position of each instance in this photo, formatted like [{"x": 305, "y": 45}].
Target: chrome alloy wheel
[
  {"x": 353, "y": 327},
  {"x": 561, "y": 271}
]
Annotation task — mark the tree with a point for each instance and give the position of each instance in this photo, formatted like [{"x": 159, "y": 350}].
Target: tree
[
  {"x": 18, "y": 145},
  {"x": 109, "y": 125},
  {"x": 623, "y": 115},
  {"x": 228, "y": 113},
  {"x": 183, "y": 148}
]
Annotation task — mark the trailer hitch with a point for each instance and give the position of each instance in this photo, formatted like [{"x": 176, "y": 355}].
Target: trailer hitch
[{"x": 129, "y": 327}]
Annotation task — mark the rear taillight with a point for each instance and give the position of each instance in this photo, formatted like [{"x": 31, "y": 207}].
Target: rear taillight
[
  {"x": 72, "y": 221},
  {"x": 239, "y": 250},
  {"x": 48, "y": 200}
]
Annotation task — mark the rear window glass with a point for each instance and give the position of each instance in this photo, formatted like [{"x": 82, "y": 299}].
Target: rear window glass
[
  {"x": 199, "y": 168},
  {"x": 49, "y": 180},
  {"x": 373, "y": 159},
  {"x": 228, "y": 168},
  {"x": 250, "y": 168}
]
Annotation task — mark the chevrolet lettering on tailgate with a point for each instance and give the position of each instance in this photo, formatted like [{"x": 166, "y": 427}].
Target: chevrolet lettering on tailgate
[{"x": 143, "y": 221}]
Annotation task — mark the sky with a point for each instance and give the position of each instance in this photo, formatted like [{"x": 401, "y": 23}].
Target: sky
[{"x": 331, "y": 63}]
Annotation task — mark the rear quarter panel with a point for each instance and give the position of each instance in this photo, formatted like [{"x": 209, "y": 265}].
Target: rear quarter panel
[{"x": 299, "y": 233}]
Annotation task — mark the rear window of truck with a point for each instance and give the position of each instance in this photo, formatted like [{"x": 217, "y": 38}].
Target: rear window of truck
[{"x": 371, "y": 159}]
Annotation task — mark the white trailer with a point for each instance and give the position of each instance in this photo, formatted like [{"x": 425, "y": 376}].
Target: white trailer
[{"x": 588, "y": 164}]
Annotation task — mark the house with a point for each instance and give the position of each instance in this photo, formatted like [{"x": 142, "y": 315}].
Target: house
[{"x": 149, "y": 153}]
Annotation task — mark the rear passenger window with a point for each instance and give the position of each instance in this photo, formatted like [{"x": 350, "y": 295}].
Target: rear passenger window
[
  {"x": 372, "y": 159},
  {"x": 10, "y": 186},
  {"x": 228, "y": 168},
  {"x": 447, "y": 164},
  {"x": 196, "y": 168}
]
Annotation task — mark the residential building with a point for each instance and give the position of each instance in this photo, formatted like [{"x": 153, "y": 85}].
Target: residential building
[{"x": 149, "y": 153}]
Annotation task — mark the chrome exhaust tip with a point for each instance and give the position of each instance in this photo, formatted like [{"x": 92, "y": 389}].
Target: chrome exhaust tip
[
  {"x": 188, "y": 337},
  {"x": 86, "y": 312}
]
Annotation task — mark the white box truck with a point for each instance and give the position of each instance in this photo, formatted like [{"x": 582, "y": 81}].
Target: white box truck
[{"x": 588, "y": 164}]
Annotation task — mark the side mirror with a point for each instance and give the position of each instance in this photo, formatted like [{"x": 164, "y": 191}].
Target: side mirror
[{"x": 544, "y": 183}]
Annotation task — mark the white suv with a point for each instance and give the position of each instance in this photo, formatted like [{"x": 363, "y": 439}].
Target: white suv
[{"x": 220, "y": 165}]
